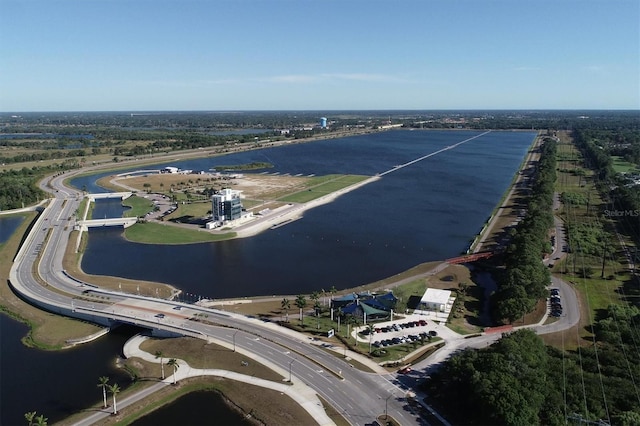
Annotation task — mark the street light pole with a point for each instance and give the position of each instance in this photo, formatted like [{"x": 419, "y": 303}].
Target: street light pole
[
  {"x": 386, "y": 400},
  {"x": 290, "y": 363},
  {"x": 234, "y": 340}
]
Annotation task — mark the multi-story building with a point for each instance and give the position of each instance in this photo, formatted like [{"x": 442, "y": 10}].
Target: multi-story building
[{"x": 226, "y": 205}]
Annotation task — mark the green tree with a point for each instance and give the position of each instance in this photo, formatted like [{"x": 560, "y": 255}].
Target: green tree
[
  {"x": 29, "y": 416},
  {"x": 160, "y": 355},
  {"x": 174, "y": 363},
  {"x": 285, "y": 304},
  {"x": 315, "y": 296},
  {"x": 41, "y": 420},
  {"x": 301, "y": 302},
  {"x": 103, "y": 382},
  {"x": 114, "y": 389}
]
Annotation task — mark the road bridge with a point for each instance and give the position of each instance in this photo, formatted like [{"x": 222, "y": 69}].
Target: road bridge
[
  {"x": 98, "y": 223},
  {"x": 103, "y": 195}
]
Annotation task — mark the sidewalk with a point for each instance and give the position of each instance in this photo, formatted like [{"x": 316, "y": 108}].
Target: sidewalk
[{"x": 299, "y": 392}]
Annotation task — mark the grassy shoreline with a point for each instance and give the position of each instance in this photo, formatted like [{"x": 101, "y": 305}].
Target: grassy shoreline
[{"x": 75, "y": 258}]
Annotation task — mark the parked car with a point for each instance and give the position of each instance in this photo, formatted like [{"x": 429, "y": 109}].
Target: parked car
[
  {"x": 404, "y": 370},
  {"x": 433, "y": 333}
]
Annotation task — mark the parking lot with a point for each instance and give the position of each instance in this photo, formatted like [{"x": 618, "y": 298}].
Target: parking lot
[{"x": 398, "y": 332}]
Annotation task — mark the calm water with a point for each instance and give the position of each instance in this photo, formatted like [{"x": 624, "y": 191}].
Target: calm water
[
  {"x": 56, "y": 384},
  {"x": 428, "y": 211},
  {"x": 108, "y": 207},
  {"x": 8, "y": 225},
  {"x": 196, "y": 408}
]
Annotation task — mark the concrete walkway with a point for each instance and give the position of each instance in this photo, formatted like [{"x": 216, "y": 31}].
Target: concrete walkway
[{"x": 299, "y": 392}]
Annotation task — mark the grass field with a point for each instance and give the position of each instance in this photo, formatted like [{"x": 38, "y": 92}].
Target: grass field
[
  {"x": 586, "y": 271},
  {"x": 155, "y": 233},
  {"x": 139, "y": 206},
  {"x": 321, "y": 186},
  {"x": 620, "y": 165},
  {"x": 191, "y": 210}
]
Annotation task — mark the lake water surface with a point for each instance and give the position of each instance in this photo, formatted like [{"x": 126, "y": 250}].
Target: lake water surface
[
  {"x": 430, "y": 210},
  {"x": 427, "y": 211}
]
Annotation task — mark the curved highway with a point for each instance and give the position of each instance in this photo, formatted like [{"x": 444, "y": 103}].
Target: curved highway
[{"x": 360, "y": 397}]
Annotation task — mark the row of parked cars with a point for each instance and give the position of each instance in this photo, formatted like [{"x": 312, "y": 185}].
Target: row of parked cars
[
  {"x": 555, "y": 303},
  {"x": 405, "y": 339},
  {"x": 395, "y": 327}
]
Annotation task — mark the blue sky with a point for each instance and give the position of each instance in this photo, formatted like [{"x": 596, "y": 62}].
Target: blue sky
[{"x": 107, "y": 55}]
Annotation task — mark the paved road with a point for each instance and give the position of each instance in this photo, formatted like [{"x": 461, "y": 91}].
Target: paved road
[{"x": 357, "y": 395}]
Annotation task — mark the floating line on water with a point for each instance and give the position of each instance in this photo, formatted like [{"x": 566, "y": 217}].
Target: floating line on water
[{"x": 401, "y": 166}]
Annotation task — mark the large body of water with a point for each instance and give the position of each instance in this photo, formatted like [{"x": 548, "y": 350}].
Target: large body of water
[
  {"x": 430, "y": 210},
  {"x": 55, "y": 384}
]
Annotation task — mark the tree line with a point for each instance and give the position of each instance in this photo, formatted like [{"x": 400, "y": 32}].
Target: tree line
[
  {"x": 524, "y": 279},
  {"x": 520, "y": 381},
  {"x": 18, "y": 188}
]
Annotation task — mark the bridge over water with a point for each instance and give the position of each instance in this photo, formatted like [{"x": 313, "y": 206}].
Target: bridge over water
[
  {"x": 100, "y": 196},
  {"x": 97, "y": 223}
]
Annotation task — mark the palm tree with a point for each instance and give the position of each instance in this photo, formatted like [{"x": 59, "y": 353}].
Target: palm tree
[
  {"x": 159, "y": 354},
  {"x": 103, "y": 382},
  {"x": 29, "y": 416},
  {"x": 114, "y": 389},
  {"x": 315, "y": 296},
  {"x": 301, "y": 302},
  {"x": 174, "y": 363},
  {"x": 41, "y": 420},
  {"x": 333, "y": 291},
  {"x": 286, "y": 304}
]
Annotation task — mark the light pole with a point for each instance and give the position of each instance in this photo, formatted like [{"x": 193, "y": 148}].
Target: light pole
[
  {"x": 234, "y": 340},
  {"x": 290, "y": 363},
  {"x": 386, "y": 400}
]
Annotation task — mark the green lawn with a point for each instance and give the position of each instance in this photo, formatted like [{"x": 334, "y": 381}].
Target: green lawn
[
  {"x": 620, "y": 165},
  {"x": 140, "y": 206},
  {"x": 194, "y": 209},
  {"x": 155, "y": 233},
  {"x": 574, "y": 178},
  {"x": 321, "y": 186}
]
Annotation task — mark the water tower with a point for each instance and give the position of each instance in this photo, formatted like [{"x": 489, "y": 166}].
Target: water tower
[{"x": 323, "y": 122}]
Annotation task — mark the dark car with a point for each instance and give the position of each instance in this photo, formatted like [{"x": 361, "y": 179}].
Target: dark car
[
  {"x": 433, "y": 333},
  {"x": 404, "y": 370}
]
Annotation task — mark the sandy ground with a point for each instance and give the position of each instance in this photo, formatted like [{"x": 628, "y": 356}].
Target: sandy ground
[{"x": 253, "y": 186}]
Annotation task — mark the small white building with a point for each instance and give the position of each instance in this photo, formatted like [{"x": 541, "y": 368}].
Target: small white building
[
  {"x": 435, "y": 300},
  {"x": 170, "y": 169}
]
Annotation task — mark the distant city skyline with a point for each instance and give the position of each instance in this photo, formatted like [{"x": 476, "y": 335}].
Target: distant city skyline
[{"x": 143, "y": 55}]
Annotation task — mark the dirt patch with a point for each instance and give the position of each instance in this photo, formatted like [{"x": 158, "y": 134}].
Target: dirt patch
[{"x": 253, "y": 186}]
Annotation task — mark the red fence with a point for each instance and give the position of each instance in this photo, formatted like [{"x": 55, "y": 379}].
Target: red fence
[{"x": 470, "y": 257}]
